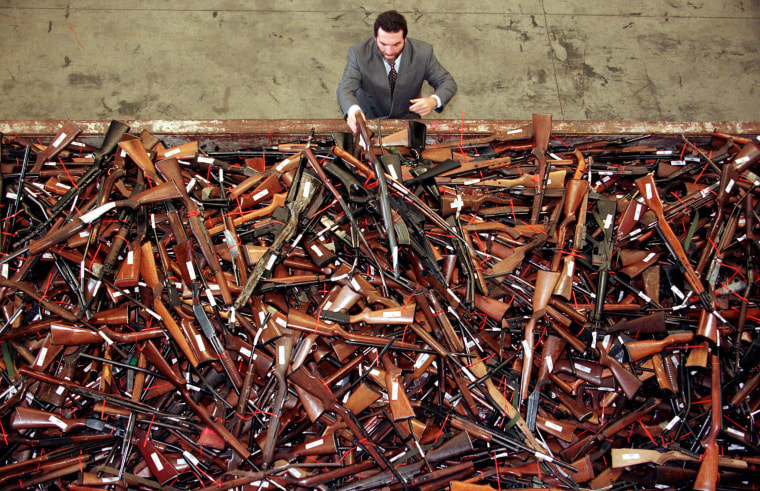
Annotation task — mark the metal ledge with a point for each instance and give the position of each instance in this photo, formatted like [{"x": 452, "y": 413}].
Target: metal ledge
[{"x": 224, "y": 133}]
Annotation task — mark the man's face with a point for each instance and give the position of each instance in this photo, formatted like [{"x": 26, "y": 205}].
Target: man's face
[{"x": 390, "y": 44}]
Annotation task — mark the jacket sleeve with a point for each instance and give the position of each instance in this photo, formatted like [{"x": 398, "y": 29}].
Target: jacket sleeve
[
  {"x": 441, "y": 80},
  {"x": 350, "y": 83}
]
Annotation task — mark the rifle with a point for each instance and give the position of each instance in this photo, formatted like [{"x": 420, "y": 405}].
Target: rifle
[
  {"x": 170, "y": 169},
  {"x": 542, "y": 124},
  {"x": 545, "y": 281},
  {"x": 156, "y": 194},
  {"x": 65, "y": 135},
  {"x": 707, "y": 477},
  {"x": 299, "y": 196},
  {"x": 648, "y": 190},
  {"x": 383, "y": 195},
  {"x": 624, "y": 457},
  {"x": 158, "y": 361}
]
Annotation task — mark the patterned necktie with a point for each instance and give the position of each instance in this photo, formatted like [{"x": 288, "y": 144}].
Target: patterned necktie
[{"x": 392, "y": 77}]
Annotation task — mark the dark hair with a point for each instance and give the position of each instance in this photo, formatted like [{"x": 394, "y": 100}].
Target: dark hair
[{"x": 391, "y": 21}]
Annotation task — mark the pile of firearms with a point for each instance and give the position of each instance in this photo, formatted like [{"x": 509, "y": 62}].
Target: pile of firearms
[{"x": 371, "y": 311}]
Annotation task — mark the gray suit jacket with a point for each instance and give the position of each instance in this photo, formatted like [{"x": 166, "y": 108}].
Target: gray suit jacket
[{"x": 365, "y": 82}]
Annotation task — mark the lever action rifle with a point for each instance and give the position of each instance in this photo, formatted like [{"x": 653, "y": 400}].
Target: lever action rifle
[
  {"x": 115, "y": 131},
  {"x": 648, "y": 190},
  {"x": 300, "y": 194}
]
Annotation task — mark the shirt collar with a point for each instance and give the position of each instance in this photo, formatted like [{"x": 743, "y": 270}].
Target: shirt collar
[{"x": 397, "y": 63}]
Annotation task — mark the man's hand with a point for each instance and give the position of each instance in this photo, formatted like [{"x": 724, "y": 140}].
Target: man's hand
[
  {"x": 423, "y": 106},
  {"x": 351, "y": 118}
]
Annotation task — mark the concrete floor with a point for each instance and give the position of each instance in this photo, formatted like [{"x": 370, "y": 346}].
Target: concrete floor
[{"x": 652, "y": 60}]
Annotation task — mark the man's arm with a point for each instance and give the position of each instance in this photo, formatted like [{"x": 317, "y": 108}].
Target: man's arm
[
  {"x": 349, "y": 84},
  {"x": 441, "y": 80}
]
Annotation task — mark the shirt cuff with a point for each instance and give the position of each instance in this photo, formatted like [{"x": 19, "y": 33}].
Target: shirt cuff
[
  {"x": 353, "y": 110},
  {"x": 437, "y": 99}
]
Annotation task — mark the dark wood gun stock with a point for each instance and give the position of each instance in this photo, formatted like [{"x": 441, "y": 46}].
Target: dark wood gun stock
[
  {"x": 542, "y": 124},
  {"x": 65, "y": 135},
  {"x": 69, "y": 335},
  {"x": 306, "y": 323},
  {"x": 158, "y": 361},
  {"x": 648, "y": 190},
  {"x": 642, "y": 349},
  {"x": 150, "y": 275},
  {"x": 26, "y": 418},
  {"x": 629, "y": 382},
  {"x": 171, "y": 170},
  {"x": 707, "y": 477}
]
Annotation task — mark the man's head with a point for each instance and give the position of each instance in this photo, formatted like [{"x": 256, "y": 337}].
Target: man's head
[{"x": 390, "y": 34}]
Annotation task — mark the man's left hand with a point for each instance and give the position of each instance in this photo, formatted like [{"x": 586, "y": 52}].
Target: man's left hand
[{"x": 423, "y": 106}]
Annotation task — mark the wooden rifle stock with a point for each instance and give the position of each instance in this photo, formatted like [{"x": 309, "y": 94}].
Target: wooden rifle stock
[
  {"x": 707, "y": 477},
  {"x": 542, "y": 124},
  {"x": 545, "y": 281},
  {"x": 65, "y": 135},
  {"x": 158, "y": 361},
  {"x": 642, "y": 349},
  {"x": 629, "y": 382},
  {"x": 648, "y": 190}
]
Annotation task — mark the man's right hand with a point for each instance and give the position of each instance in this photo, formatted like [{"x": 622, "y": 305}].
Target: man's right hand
[{"x": 351, "y": 118}]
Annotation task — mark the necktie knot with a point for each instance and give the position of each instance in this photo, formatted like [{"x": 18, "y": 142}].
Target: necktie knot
[{"x": 392, "y": 77}]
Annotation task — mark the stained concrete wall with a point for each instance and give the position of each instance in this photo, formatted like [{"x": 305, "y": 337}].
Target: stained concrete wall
[{"x": 674, "y": 60}]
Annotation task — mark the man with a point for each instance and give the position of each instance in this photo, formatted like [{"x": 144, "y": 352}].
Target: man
[{"x": 376, "y": 63}]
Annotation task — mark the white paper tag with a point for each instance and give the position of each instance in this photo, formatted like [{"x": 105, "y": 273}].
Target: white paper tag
[
  {"x": 59, "y": 140},
  {"x": 582, "y": 368},
  {"x": 106, "y": 338},
  {"x": 315, "y": 443},
  {"x": 205, "y": 160},
  {"x": 735, "y": 432},
  {"x": 672, "y": 423},
  {"x": 553, "y": 426},
  {"x": 157, "y": 461},
  {"x": 649, "y": 257},
  {"x": 355, "y": 284},
  {"x": 60, "y": 424},
  {"x": 526, "y": 347},
  {"x": 173, "y": 151},
  {"x": 260, "y": 195},
  {"x": 271, "y": 261},
  {"x": 648, "y": 188},
  {"x": 190, "y": 270},
  {"x": 210, "y": 297},
  {"x": 637, "y": 211},
  {"x": 421, "y": 359},
  {"x": 631, "y": 456},
  {"x": 41, "y": 356},
  {"x": 730, "y": 185},
  {"x": 608, "y": 221},
  {"x": 514, "y": 132},
  {"x": 316, "y": 250},
  {"x": 391, "y": 314}
]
